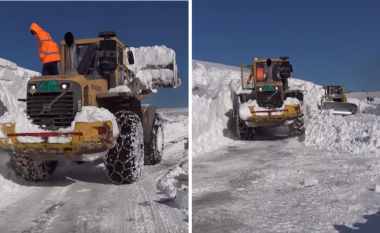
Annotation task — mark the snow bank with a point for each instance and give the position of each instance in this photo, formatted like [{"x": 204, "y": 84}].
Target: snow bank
[
  {"x": 24, "y": 125},
  {"x": 212, "y": 103},
  {"x": 13, "y": 81},
  {"x": 155, "y": 66}
]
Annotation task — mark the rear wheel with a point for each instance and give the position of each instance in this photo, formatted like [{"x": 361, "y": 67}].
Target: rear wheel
[
  {"x": 125, "y": 160},
  {"x": 155, "y": 150},
  {"x": 33, "y": 170}
]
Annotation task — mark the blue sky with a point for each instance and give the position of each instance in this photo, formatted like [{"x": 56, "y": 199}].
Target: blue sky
[
  {"x": 328, "y": 42},
  {"x": 135, "y": 23}
]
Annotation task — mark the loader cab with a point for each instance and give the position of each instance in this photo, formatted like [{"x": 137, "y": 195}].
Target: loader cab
[
  {"x": 121, "y": 73},
  {"x": 335, "y": 93},
  {"x": 266, "y": 72}
]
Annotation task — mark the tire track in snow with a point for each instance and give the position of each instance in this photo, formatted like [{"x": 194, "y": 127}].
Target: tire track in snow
[
  {"x": 31, "y": 212},
  {"x": 262, "y": 191}
]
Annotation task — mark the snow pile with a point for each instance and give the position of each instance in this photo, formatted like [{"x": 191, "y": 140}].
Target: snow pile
[
  {"x": 245, "y": 113},
  {"x": 155, "y": 66},
  {"x": 24, "y": 125},
  {"x": 169, "y": 185},
  {"x": 174, "y": 184},
  {"x": 175, "y": 127},
  {"x": 364, "y": 106},
  {"x": 213, "y": 90},
  {"x": 121, "y": 88},
  {"x": 312, "y": 93},
  {"x": 352, "y": 134}
]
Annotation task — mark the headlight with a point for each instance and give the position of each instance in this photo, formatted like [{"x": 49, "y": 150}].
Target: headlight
[
  {"x": 260, "y": 89},
  {"x": 64, "y": 86},
  {"x": 276, "y": 88},
  {"x": 32, "y": 87}
]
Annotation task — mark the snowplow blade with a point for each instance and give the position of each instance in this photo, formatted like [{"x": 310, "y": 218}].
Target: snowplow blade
[
  {"x": 86, "y": 138},
  {"x": 340, "y": 108}
]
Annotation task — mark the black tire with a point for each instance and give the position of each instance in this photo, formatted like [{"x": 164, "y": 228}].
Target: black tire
[
  {"x": 125, "y": 160},
  {"x": 155, "y": 150},
  {"x": 32, "y": 170},
  {"x": 297, "y": 127},
  {"x": 244, "y": 131}
]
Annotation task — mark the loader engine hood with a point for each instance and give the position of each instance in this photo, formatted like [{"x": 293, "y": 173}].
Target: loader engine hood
[{"x": 53, "y": 103}]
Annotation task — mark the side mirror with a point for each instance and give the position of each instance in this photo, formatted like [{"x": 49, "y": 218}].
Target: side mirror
[{"x": 131, "y": 59}]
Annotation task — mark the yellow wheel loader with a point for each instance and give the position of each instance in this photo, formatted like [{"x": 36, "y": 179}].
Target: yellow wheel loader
[
  {"x": 89, "y": 68},
  {"x": 266, "y": 101},
  {"x": 335, "y": 99}
]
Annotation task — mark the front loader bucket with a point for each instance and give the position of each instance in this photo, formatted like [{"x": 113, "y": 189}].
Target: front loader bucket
[{"x": 340, "y": 108}]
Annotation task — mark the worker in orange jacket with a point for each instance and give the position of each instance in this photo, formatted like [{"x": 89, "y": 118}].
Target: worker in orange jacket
[{"x": 48, "y": 50}]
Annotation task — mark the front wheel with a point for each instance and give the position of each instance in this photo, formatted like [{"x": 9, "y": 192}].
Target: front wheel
[
  {"x": 244, "y": 131},
  {"x": 297, "y": 127},
  {"x": 32, "y": 170},
  {"x": 125, "y": 160}
]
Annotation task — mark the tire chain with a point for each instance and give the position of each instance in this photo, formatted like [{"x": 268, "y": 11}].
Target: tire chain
[
  {"x": 30, "y": 169},
  {"x": 245, "y": 132},
  {"x": 150, "y": 148},
  {"x": 125, "y": 160}
]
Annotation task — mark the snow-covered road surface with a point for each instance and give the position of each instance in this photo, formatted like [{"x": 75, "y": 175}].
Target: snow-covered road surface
[
  {"x": 257, "y": 187},
  {"x": 80, "y": 198}
]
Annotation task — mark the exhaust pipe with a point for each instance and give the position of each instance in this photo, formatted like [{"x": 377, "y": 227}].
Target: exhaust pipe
[{"x": 71, "y": 54}]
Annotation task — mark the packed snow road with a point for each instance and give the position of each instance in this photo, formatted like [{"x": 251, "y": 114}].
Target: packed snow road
[
  {"x": 80, "y": 198},
  {"x": 260, "y": 187}
]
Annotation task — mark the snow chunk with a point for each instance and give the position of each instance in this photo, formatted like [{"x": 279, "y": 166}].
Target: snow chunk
[
  {"x": 168, "y": 184},
  {"x": 155, "y": 66},
  {"x": 88, "y": 114},
  {"x": 182, "y": 197},
  {"x": 310, "y": 181},
  {"x": 121, "y": 88}
]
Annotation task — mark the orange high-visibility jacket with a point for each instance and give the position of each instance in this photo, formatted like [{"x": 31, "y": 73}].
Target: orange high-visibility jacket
[{"x": 48, "y": 49}]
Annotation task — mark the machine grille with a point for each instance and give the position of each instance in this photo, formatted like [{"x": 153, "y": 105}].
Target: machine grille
[
  {"x": 275, "y": 101},
  {"x": 61, "y": 114}
]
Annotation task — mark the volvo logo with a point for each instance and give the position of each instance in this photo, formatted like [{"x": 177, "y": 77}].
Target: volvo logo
[{"x": 96, "y": 88}]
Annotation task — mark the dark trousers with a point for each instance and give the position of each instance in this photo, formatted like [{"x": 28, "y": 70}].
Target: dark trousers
[{"x": 50, "y": 68}]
